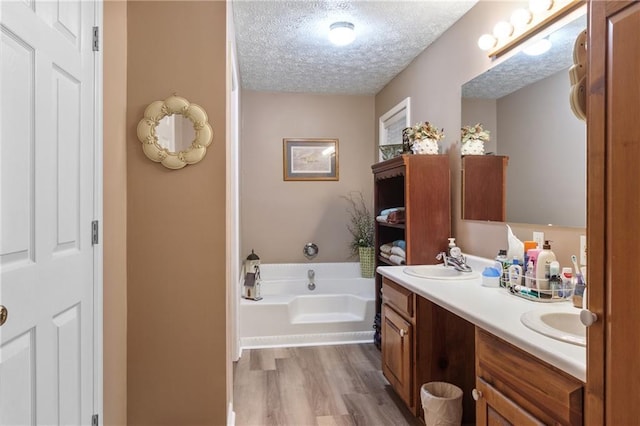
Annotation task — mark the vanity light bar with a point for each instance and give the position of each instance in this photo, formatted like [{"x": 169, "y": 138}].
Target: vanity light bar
[{"x": 540, "y": 18}]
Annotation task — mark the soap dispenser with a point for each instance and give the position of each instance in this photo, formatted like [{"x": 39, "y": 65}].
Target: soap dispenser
[
  {"x": 543, "y": 264},
  {"x": 454, "y": 251}
]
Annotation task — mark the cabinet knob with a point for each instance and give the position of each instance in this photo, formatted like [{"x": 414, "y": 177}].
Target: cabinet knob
[
  {"x": 403, "y": 332},
  {"x": 476, "y": 394},
  {"x": 587, "y": 317}
]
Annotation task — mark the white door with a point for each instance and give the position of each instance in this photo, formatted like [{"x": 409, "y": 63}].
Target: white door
[{"x": 48, "y": 137}]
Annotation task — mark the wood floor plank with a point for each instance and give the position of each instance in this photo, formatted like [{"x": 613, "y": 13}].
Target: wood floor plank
[
  {"x": 338, "y": 385},
  {"x": 318, "y": 388},
  {"x": 345, "y": 420}
]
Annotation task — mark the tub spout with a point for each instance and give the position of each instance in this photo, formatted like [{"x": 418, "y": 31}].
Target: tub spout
[{"x": 311, "y": 274}]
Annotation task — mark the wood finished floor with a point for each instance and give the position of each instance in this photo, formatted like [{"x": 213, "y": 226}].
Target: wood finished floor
[{"x": 319, "y": 385}]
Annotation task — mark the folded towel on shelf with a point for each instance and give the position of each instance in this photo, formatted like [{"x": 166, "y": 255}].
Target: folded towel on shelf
[
  {"x": 400, "y": 243},
  {"x": 396, "y": 217},
  {"x": 385, "y": 212},
  {"x": 386, "y": 248},
  {"x": 384, "y": 255},
  {"x": 382, "y": 218},
  {"x": 398, "y": 252},
  {"x": 394, "y": 258}
]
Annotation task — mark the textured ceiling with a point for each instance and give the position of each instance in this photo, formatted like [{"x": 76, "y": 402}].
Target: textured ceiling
[
  {"x": 521, "y": 70},
  {"x": 283, "y": 45}
]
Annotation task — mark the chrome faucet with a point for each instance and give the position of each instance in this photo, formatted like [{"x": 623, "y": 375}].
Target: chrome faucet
[
  {"x": 311, "y": 274},
  {"x": 459, "y": 262}
]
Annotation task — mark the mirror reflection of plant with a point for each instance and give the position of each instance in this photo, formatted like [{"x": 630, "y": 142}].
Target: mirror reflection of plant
[
  {"x": 471, "y": 133},
  {"x": 361, "y": 222},
  {"x": 424, "y": 130}
]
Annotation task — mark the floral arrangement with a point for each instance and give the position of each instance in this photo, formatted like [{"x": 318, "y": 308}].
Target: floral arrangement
[
  {"x": 424, "y": 130},
  {"x": 473, "y": 133},
  {"x": 361, "y": 222}
]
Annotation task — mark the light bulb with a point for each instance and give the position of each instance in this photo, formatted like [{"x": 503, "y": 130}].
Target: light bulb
[
  {"x": 486, "y": 41},
  {"x": 539, "y": 6},
  {"x": 341, "y": 33},
  {"x": 520, "y": 18},
  {"x": 502, "y": 30}
]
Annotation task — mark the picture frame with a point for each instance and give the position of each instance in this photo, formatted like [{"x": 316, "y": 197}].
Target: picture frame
[{"x": 310, "y": 159}]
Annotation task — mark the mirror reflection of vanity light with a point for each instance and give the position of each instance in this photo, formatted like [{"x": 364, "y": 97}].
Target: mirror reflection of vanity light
[{"x": 538, "y": 47}]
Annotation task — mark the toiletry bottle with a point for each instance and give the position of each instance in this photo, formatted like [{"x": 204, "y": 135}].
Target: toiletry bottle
[
  {"x": 454, "y": 251},
  {"x": 528, "y": 245},
  {"x": 545, "y": 257},
  {"x": 529, "y": 276},
  {"x": 532, "y": 257},
  {"x": 515, "y": 273},
  {"x": 505, "y": 263},
  {"x": 555, "y": 282}
]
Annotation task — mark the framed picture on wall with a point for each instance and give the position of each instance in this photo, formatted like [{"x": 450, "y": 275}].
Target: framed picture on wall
[{"x": 310, "y": 159}]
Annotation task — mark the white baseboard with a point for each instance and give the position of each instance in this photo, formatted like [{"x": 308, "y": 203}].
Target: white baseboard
[{"x": 306, "y": 340}]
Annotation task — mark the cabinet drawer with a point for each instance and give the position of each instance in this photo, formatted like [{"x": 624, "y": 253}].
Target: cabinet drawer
[
  {"x": 493, "y": 408},
  {"x": 546, "y": 392},
  {"x": 398, "y": 296}
]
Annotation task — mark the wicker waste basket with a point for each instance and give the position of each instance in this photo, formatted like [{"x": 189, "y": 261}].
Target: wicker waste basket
[{"x": 442, "y": 404}]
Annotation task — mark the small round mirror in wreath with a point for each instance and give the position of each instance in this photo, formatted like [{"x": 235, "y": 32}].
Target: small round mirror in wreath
[{"x": 175, "y": 132}]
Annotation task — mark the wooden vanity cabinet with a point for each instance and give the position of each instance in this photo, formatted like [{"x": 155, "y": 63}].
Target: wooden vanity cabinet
[
  {"x": 515, "y": 388},
  {"x": 484, "y": 188},
  {"x": 421, "y": 343}
]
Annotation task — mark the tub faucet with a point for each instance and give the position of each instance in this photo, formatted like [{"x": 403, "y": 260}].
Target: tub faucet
[
  {"x": 459, "y": 263},
  {"x": 311, "y": 274}
]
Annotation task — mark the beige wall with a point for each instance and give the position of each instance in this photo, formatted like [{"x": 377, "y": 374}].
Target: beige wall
[
  {"x": 433, "y": 81},
  {"x": 176, "y": 222},
  {"x": 115, "y": 212},
  {"x": 278, "y": 218}
]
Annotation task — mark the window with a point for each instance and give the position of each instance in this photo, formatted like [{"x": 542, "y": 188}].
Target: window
[{"x": 392, "y": 123}]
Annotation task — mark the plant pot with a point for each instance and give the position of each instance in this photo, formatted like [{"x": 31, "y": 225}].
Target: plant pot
[
  {"x": 425, "y": 146},
  {"x": 472, "y": 147},
  {"x": 367, "y": 261}
]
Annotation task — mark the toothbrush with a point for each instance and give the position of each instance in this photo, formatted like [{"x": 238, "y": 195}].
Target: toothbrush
[{"x": 579, "y": 277}]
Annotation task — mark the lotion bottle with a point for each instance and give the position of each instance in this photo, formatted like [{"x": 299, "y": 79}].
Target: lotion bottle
[{"x": 543, "y": 262}]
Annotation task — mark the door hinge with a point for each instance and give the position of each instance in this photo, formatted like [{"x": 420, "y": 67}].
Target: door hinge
[
  {"x": 94, "y": 420},
  {"x": 96, "y": 39},
  {"x": 95, "y": 226}
]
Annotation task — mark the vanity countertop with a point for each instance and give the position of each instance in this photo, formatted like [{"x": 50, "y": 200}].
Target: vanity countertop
[{"x": 498, "y": 312}]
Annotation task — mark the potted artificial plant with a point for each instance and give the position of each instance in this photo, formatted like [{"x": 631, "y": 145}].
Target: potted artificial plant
[
  {"x": 473, "y": 139},
  {"x": 424, "y": 138},
  {"x": 361, "y": 228}
]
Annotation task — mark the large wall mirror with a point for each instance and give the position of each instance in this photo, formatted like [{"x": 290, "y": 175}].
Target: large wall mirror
[{"x": 524, "y": 102}]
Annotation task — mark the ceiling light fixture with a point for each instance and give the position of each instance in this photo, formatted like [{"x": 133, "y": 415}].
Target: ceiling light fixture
[{"x": 342, "y": 33}]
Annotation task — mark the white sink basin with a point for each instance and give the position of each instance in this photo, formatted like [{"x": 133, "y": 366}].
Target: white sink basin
[
  {"x": 439, "y": 272},
  {"x": 564, "y": 326}
]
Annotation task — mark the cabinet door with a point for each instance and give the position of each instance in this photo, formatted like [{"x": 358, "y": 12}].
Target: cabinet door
[
  {"x": 493, "y": 408},
  {"x": 397, "y": 349}
]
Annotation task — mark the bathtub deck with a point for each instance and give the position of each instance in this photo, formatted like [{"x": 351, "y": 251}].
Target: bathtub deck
[{"x": 317, "y": 385}]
